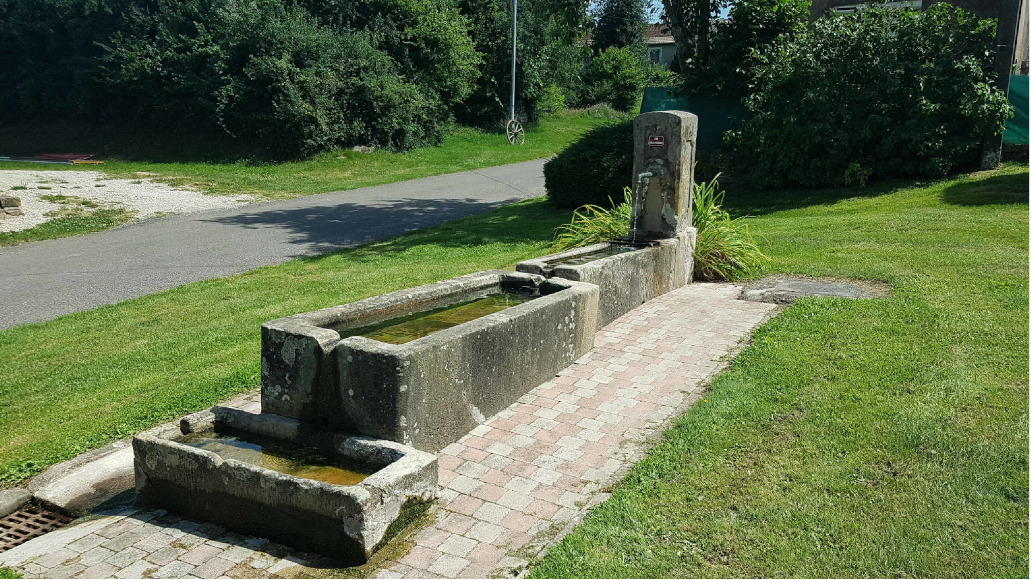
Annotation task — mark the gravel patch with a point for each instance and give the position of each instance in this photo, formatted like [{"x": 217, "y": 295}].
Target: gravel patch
[{"x": 145, "y": 198}]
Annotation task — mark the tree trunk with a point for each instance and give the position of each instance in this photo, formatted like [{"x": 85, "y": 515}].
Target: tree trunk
[{"x": 1005, "y": 41}]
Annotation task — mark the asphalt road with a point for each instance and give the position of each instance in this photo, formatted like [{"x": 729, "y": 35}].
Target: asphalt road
[{"x": 43, "y": 280}]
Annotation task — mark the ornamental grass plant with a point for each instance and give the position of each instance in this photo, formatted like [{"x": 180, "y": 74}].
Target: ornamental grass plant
[{"x": 724, "y": 250}]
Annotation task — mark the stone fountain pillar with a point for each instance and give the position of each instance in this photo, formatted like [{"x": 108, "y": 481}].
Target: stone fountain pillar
[{"x": 663, "y": 180}]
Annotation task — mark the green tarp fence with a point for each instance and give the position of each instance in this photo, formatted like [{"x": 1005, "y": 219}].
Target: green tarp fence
[
  {"x": 1016, "y": 126},
  {"x": 715, "y": 117}
]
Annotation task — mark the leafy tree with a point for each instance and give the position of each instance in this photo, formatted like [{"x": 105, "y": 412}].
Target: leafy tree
[
  {"x": 714, "y": 55},
  {"x": 749, "y": 26},
  {"x": 621, "y": 24},
  {"x": 429, "y": 39},
  {"x": 882, "y": 92},
  {"x": 46, "y": 47},
  {"x": 690, "y": 21}
]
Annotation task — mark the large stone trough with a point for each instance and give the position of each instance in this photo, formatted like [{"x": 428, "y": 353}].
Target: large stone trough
[
  {"x": 431, "y": 391},
  {"x": 347, "y": 522},
  {"x": 632, "y": 275}
]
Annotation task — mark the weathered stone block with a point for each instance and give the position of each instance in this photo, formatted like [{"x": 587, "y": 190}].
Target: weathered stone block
[
  {"x": 12, "y": 499},
  {"x": 431, "y": 391},
  {"x": 347, "y": 522},
  {"x": 625, "y": 280},
  {"x": 7, "y": 201},
  {"x": 664, "y": 154}
]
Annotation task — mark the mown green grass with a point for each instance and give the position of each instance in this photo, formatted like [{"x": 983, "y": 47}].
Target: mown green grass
[
  {"x": 79, "y": 381},
  {"x": 875, "y": 438},
  {"x": 464, "y": 149}
]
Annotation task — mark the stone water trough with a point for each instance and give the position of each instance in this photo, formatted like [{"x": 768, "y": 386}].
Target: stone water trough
[
  {"x": 627, "y": 273},
  {"x": 270, "y": 476},
  {"x": 356, "y": 397},
  {"x": 424, "y": 366}
]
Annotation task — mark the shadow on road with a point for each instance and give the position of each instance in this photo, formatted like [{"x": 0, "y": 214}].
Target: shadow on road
[{"x": 325, "y": 228}]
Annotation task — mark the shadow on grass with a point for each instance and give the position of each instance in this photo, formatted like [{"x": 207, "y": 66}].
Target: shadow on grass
[
  {"x": 997, "y": 189},
  {"x": 741, "y": 201},
  {"x": 994, "y": 190}
]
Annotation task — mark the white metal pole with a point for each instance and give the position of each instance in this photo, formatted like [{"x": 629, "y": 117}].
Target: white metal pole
[{"x": 515, "y": 10}]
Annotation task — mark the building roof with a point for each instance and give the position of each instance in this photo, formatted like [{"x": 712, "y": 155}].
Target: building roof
[{"x": 659, "y": 34}]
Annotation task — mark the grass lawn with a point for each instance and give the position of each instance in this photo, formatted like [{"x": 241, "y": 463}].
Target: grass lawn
[
  {"x": 339, "y": 170},
  {"x": 876, "y": 438},
  {"x": 77, "y": 382},
  {"x": 68, "y": 224}
]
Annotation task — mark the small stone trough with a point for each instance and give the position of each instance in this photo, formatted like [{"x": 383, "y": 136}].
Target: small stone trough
[
  {"x": 627, "y": 273},
  {"x": 438, "y": 381},
  {"x": 191, "y": 469}
]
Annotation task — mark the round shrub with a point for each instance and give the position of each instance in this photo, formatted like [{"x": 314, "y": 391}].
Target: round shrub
[{"x": 590, "y": 169}]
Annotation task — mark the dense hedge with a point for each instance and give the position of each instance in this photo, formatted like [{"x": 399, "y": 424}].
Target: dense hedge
[
  {"x": 594, "y": 169},
  {"x": 882, "y": 92},
  {"x": 287, "y": 77}
]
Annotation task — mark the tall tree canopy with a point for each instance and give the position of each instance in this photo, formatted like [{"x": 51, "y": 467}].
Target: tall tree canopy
[
  {"x": 715, "y": 55},
  {"x": 621, "y": 24}
]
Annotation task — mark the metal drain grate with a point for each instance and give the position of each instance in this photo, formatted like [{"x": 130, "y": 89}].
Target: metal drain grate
[{"x": 28, "y": 523}]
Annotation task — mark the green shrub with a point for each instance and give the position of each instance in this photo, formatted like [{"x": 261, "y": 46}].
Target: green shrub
[
  {"x": 553, "y": 100},
  {"x": 592, "y": 224},
  {"x": 617, "y": 76},
  {"x": 600, "y": 161},
  {"x": 657, "y": 75},
  {"x": 724, "y": 249},
  {"x": 881, "y": 92},
  {"x": 6, "y": 572}
]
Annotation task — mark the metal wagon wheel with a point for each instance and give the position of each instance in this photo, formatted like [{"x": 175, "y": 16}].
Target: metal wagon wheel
[{"x": 516, "y": 134}]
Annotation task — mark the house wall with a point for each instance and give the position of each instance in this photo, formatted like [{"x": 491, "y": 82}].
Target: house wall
[
  {"x": 666, "y": 52},
  {"x": 1021, "y": 56}
]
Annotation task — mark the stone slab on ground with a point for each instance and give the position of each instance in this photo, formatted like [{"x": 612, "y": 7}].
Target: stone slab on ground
[
  {"x": 781, "y": 289},
  {"x": 511, "y": 488},
  {"x": 88, "y": 480}
]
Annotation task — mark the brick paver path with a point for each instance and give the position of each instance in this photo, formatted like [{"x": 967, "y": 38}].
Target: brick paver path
[{"x": 510, "y": 488}]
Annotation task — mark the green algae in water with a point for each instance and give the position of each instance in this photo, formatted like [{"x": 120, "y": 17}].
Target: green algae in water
[
  {"x": 282, "y": 457},
  {"x": 612, "y": 250},
  {"x": 417, "y": 325}
]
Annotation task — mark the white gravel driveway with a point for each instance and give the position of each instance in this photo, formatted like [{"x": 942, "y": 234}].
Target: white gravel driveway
[{"x": 144, "y": 198}]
